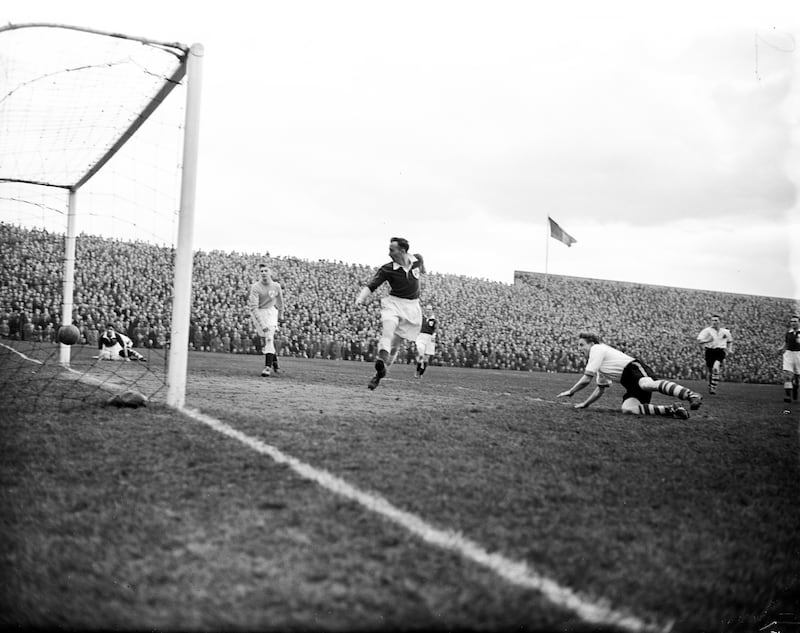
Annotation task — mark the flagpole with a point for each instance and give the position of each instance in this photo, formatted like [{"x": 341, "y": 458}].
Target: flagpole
[{"x": 546, "y": 251}]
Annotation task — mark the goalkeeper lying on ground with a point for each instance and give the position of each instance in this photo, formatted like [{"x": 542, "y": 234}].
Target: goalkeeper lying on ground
[{"x": 115, "y": 345}]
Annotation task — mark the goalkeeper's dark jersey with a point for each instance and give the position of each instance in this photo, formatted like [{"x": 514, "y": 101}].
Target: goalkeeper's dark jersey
[
  {"x": 405, "y": 285},
  {"x": 428, "y": 325}
]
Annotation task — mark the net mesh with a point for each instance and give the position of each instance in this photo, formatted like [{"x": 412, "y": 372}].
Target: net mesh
[{"x": 98, "y": 117}]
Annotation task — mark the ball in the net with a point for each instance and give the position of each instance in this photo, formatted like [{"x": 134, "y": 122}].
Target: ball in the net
[{"x": 68, "y": 334}]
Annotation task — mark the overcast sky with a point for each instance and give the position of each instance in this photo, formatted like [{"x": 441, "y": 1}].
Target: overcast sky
[{"x": 666, "y": 141}]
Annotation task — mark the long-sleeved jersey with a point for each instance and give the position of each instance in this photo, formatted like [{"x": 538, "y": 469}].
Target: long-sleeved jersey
[{"x": 404, "y": 283}]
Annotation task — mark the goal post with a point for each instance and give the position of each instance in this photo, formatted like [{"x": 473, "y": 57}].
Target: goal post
[
  {"x": 71, "y": 101},
  {"x": 68, "y": 286},
  {"x": 182, "y": 298}
]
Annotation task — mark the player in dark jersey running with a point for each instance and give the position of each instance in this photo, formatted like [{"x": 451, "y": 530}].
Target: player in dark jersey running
[
  {"x": 426, "y": 341},
  {"x": 401, "y": 315}
]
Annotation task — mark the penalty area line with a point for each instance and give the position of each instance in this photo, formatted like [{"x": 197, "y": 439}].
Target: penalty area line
[{"x": 517, "y": 573}]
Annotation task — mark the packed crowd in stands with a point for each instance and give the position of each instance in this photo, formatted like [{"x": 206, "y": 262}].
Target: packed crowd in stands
[{"x": 531, "y": 325}]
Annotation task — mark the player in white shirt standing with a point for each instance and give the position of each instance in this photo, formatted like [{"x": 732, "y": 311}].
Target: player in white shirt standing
[
  {"x": 717, "y": 342},
  {"x": 266, "y": 309},
  {"x": 606, "y": 364}
]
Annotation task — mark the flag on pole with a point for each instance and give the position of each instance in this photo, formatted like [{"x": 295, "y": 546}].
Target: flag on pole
[{"x": 560, "y": 234}]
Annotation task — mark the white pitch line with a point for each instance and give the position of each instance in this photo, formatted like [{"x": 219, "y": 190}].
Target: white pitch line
[
  {"x": 21, "y": 355},
  {"x": 69, "y": 372},
  {"x": 515, "y": 572}
]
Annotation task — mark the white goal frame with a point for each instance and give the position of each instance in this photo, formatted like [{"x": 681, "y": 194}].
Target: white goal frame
[{"x": 190, "y": 68}]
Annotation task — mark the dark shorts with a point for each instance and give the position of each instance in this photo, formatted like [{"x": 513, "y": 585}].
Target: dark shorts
[
  {"x": 633, "y": 372},
  {"x": 714, "y": 354}
]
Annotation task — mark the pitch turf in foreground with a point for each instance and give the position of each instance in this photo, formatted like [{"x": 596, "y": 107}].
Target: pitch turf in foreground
[{"x": 149, "y": 519}]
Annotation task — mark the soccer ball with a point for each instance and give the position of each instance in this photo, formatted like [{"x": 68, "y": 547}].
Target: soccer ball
[{"x": 68, "y": 335}]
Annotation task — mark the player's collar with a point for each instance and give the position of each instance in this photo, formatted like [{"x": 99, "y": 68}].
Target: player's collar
[{"x": 411, "y": 258}]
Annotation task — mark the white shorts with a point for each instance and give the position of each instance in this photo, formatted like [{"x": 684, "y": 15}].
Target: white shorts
[
  {"x": 426, "y": 344},
  {"x": 265, "y": 320},
  {"x": 407, "y": 313},
  {"x": 791, "y": 361},
  {"x": 110, "y": 353}
]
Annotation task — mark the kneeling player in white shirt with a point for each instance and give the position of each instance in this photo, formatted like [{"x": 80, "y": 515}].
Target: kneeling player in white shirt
[{"x": 606, "y": 364}]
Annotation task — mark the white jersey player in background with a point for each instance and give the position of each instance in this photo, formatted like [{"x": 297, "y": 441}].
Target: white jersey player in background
[
  {"x": 716, "y": 342},
  {"x": 265, "y": 303}
]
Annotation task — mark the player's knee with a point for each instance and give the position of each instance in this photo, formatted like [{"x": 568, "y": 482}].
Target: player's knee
[
  {"x": 648, "y": 384},
  {"x": 389, "y": 326},
  {"x": 630, "y": 406}
]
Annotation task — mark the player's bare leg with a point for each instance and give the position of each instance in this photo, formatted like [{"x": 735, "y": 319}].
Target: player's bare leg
[{"x": 384, "y": 347}]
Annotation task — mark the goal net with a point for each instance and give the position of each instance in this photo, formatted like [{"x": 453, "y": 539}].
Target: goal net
[{"x": 97, "y": 161}]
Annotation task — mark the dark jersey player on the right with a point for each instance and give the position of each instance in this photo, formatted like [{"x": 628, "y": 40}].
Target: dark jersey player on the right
[{"x": 426, "y": 341}]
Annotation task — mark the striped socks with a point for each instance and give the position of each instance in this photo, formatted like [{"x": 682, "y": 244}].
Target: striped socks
[
  {"x": 714, "y": 378},
  {"x": 673, "y": 389},
  {"x": 653, "y": 409}
]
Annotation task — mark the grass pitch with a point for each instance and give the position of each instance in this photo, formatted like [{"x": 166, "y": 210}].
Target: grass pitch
[{"x": 149, "y": 519}]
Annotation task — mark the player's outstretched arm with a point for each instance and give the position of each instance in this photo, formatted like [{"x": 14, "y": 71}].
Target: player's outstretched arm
[
  {"x": 595, "y": 395},
  {"x": 582, "y": 382},
  {"x": 362, "y": 296}
]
